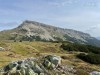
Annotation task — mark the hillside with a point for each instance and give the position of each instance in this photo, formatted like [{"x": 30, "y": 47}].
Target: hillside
[
  {"x": 22, "y": 50},
  {"x": 35, "y": 31}
]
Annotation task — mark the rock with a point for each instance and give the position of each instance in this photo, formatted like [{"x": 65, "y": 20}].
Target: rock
[
  {"x": 23, "y": 67},
  {"x": 2, "y": 49},
  {"x": 95, "y": 73},
  {"x": 52, "y": 61},
  {"x": 48, "y": 65}
]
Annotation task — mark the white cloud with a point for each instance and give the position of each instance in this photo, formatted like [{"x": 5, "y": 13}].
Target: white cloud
[
  {"x": 61, "y": 3},
  {"x": 86, "y": 3}
]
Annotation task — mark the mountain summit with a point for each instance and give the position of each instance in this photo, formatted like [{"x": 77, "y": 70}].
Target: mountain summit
[{"x": 31, "y": 30}]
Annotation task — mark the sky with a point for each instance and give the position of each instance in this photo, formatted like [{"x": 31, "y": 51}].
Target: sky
[{"x": 81, "y": 15}]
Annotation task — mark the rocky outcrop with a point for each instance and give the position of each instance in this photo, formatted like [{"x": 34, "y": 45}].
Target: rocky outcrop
[{"x": 46, "y": 65}]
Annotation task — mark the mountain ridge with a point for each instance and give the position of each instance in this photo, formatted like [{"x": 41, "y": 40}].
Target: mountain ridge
[
  {"x": 49, "y": 25},
  {"x": 32, "y": 30}
]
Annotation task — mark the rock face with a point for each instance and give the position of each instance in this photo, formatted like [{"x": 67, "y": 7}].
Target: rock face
[
  {"x": 31, "y": 30},
  {"x": 48, "y": 65}
]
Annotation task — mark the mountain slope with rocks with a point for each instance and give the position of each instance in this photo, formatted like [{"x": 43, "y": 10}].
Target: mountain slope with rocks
[
  {"x": 31, "y": 30},
  {"x": 47, "y": 65},
  {"x": 42, "y": 58}
]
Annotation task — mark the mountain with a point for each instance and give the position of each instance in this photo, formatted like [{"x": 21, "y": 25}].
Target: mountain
[{"x": 31, "y": 30}]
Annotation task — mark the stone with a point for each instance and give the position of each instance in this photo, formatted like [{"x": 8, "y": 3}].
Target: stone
[
  {"x": 42, "y": 74},
  {"x": 95, "y": 73},
  {"x": 13, "y": 70},
  {"x": 48, "y": 65},
  {"x": 31, "y": 72},
  {"x": 53, "y": 59},
  {"x": 2, "y": 49}
]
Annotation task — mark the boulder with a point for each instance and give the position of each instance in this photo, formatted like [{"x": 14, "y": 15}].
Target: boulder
[
  {"x": 52, "y": 61},
  {"x": 95, "y": 73},
  {"x": 2, "y": 49}
]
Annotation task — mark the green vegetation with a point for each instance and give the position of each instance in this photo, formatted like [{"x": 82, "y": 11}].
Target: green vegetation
[
  {"x": 91, "y": 58},
  {"x": 32, "y": 38},
  {"x": 81, "y": 72},
  {"x": 90, "y": 53},
  {"x": 81, "y": 48}
]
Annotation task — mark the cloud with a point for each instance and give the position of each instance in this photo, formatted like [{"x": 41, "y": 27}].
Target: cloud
[
  {"x": 83, "y": 3},
  {"x": 61, "y": 3}
]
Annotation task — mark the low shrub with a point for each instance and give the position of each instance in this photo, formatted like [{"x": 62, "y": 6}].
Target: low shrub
[
  {"x": 90, "y": 58},
  {"x": 81, "y": 48}
]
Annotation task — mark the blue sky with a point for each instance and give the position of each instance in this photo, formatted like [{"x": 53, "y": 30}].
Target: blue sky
[{"x": 82, "y": 15}]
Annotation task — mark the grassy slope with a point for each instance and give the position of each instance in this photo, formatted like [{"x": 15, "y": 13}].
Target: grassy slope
[
  {"x": 5, "y": 35},
  {"x": 21, "y": 50}
]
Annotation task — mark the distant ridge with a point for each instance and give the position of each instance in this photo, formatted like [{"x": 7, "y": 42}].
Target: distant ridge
[{"x": 32, "y": 30}]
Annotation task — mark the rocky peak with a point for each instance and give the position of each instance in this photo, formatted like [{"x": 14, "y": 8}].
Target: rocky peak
[{"x": 45, "y": 32}]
